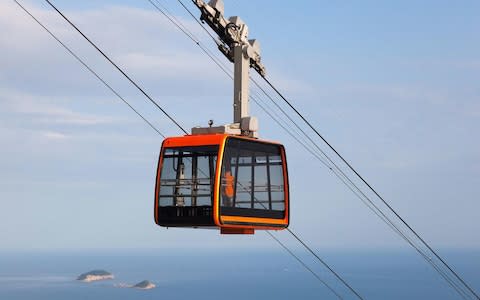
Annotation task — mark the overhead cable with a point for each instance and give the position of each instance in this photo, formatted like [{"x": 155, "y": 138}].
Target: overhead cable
[
  {"x": 117, "y": 67},
  {"x": 88, "y": 68},
  {"x": 371, "y": 188},
  {"x": 303, "y": 263},
  {"x": 164, "y": 11},
  {"x": 118, "y": 95},
  {"x": 183, "y": 29},
  {"x": 180, "y": 26},
  {"x": 380, "y": 213}
]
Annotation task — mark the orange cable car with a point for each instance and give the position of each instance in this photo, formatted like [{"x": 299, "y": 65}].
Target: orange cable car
[
  {"x": 234, "y": 183},
  {"x": 224, "y": 177}
]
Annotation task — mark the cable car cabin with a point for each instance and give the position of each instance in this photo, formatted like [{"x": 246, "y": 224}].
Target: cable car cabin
[{"x": 234, "y": 183}]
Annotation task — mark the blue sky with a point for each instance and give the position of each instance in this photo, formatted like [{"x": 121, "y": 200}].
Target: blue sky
[{"x": 392, "y": 86}]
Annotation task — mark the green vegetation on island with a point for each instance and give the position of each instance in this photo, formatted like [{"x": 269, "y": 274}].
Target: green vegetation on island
[
  {"x": 95, "y": 275},
  {"x": 144, "y": 285}
]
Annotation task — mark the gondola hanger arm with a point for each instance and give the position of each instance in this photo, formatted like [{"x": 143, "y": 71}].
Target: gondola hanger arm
[{"x": 245, "y": 54}]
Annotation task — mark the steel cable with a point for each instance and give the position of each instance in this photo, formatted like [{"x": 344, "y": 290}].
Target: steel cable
[{"x": 384, "y": 218}]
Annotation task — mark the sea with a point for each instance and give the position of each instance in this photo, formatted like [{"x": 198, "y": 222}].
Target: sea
[{"x": 228, "y": 274}]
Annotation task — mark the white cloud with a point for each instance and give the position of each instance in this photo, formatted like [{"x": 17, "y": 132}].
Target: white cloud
[
  {"x": 51, "y": 135},
  {"x": 180, "y": 65},
  {"x": 136, "y": 38},
  {"x": 49, "y": 110}
]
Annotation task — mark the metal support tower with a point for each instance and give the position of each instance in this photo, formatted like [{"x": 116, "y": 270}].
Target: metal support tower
[{"x": 245, "y": 54}]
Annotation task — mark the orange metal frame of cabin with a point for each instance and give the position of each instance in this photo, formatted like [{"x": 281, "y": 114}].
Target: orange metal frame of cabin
[{"x": 251, "y": 223}]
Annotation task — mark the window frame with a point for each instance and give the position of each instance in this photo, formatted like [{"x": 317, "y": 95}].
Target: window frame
[
  {"x": 255, "y": 146},
  {"x": 212, "y": 152}
]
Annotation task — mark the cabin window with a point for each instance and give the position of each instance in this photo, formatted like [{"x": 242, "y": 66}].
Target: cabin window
[
  {"x": 252, "y": 180},
  {"x": 187, "y": 176}
]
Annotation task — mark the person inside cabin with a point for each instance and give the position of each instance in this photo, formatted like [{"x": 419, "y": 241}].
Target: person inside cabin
[{"x": 227, "y": 188}]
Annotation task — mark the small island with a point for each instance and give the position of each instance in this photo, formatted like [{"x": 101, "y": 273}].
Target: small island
[
  {"x": 144, "y": 285},
  {"x": 95, "y": 275}
]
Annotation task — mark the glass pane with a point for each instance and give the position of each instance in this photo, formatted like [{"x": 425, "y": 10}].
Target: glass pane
[
  {"x": 245, "y": 158},
  {"x": 204, "y": 201},
  {"x": 276, "y": 187},
  {"x": 261, "y": 186},
  {"x": 244, "y": 187},
  {"x": 261, "y": 200},
  {"x": 278, "y": 203},
  {"x": 260, "y": 158},
  {"x": 166, "y": 201},
  {"x": 275, "y": 159},
  {"x": 203, "y": 169}
]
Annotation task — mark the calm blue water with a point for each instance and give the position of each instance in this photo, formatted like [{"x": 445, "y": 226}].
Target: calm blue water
[{"x": 223, "y": 274}]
